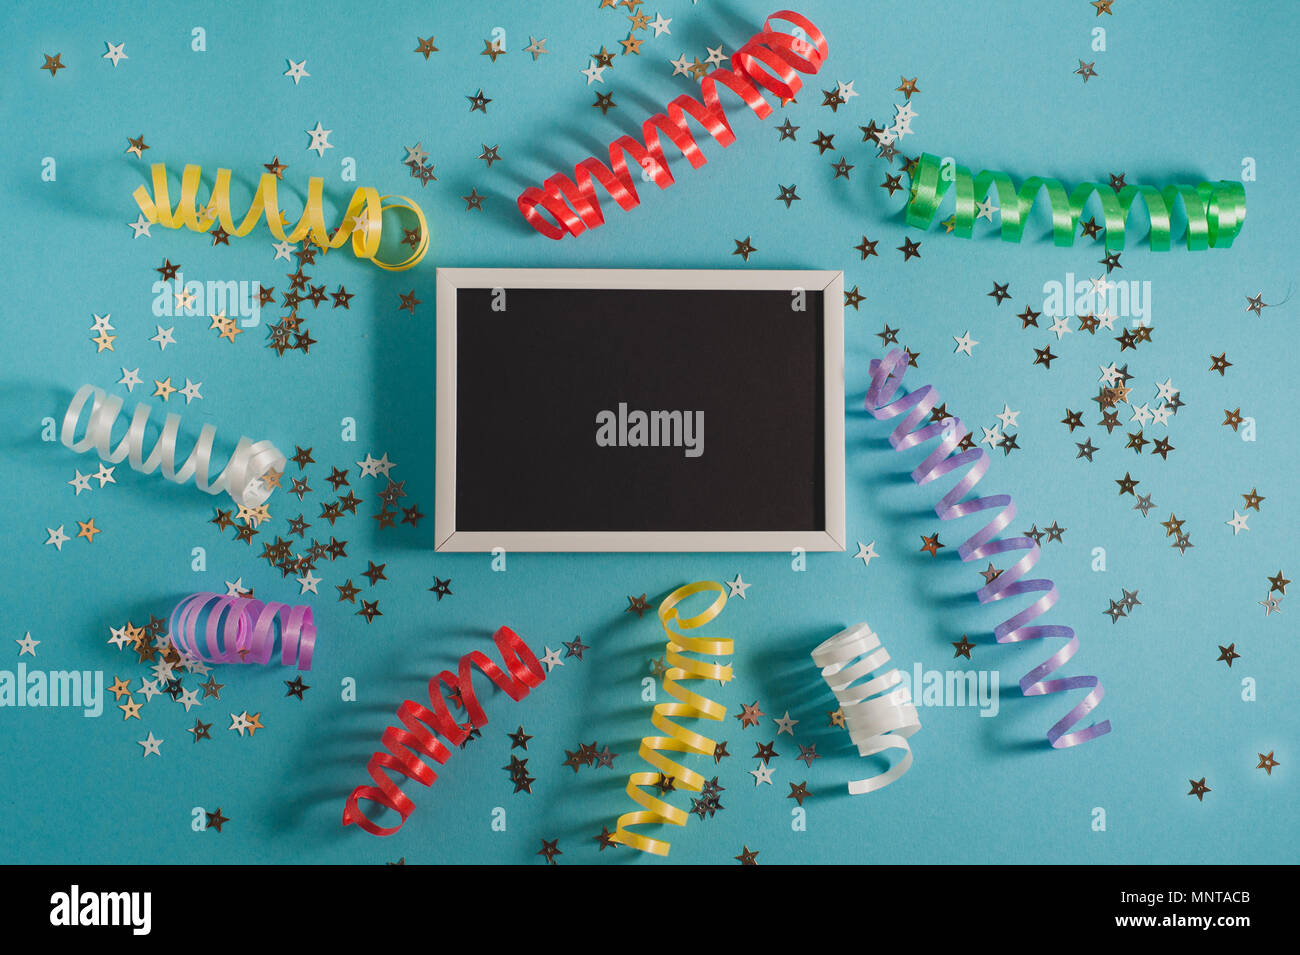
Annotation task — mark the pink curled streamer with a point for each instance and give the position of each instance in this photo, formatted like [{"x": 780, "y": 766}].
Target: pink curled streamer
[
  {"x": 886, "y": 376},
  {"x": 242, "y": 630}
]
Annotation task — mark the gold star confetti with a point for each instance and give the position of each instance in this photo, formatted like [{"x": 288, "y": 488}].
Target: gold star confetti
[{"x": 749, "y": 714}]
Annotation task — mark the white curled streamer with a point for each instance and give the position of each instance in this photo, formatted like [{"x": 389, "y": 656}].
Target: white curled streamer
[
  {"x": 242, "y": 477},
  {"x": 878, "y": 713}
]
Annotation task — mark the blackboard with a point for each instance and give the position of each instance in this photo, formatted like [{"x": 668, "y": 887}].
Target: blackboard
[{"x": 639, "y": 410}]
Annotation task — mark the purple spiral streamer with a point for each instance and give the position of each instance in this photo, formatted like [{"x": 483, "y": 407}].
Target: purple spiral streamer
[
  {"x": 886, "y": 376},
  {"x": 242, "y": 630}
]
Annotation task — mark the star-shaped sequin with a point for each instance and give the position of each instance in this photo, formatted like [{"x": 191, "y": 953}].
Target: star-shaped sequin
[
  {"x": 930, "y": 544},
  {"x": 749, "y": 714}
]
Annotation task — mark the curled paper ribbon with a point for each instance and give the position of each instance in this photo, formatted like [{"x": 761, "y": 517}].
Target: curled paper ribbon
[
  {"x": 878, "y": 712},
  {"x": 1215, "y": 210},
  {"x": 405, "y": 748},
  {"x": 886, "y": 376},
  {"x": 242, "y": 630},
  {"x": 784, "y": 54},
  {"x": 689, "y": 706},
  {"x": 243, "y": 473},
  {"x": 362, "y": 221}
]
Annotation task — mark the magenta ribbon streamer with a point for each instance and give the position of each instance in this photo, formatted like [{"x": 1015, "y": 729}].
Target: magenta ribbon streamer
[
  {"x": 242, "y": 630},
  {"x": 886, "y": 376}
]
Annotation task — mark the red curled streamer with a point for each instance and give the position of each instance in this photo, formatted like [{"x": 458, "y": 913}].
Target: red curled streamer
[
  {"x": 405, "y": 748},
  {"x": 886, "y": 376},
  {"x": 573, "y": 205}
]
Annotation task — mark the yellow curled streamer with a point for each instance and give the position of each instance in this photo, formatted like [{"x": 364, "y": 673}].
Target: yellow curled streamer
[
  {"x": 362, "y": 221},
  {"x": 689, "y": 706}
]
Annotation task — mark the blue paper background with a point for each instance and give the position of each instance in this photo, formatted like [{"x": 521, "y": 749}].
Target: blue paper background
[{"x": 1184, "y": 92}]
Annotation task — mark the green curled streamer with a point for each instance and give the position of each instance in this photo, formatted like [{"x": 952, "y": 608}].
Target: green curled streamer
[{"x": 1215, "y": 210}]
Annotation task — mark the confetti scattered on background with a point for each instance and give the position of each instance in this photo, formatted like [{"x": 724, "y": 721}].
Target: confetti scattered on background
[{"x": 1162, "y": 510}]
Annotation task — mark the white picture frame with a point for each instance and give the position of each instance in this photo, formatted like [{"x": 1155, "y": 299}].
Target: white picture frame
[{"x": 830, "y": 537}]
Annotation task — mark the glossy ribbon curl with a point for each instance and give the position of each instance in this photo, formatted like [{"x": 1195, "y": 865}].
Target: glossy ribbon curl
[
  {"x": 424, "y": 726},
  {"x": 242, "y": 476},
  {"x": 878, "y": 712},
  {"x": 242, "y": 630},
  {"x": 362, "y": 221},
  {"x": 886, "y": 376},
  {"x": 572, "y": 203},
  {"x": 689, "y": 705},
  {"x": 1215, "y": 211}
]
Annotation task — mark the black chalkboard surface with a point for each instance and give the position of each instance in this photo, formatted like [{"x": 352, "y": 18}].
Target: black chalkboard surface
[{"x": 630, "y": 410}]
